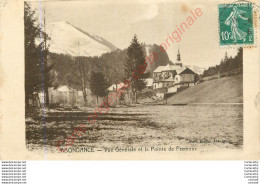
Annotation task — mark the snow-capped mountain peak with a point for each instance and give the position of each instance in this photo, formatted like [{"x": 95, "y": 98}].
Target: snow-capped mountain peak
[{"x": 68, "y": 39}]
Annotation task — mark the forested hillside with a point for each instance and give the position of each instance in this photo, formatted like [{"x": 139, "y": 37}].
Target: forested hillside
[
  {"x": 226, "y": 65},
  {"x": 111, "y": 64},
  {"x": 68, "y": 68},
  {"x": 162, "y": 60}
]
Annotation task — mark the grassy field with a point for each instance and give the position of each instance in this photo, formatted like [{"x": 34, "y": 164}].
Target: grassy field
[
  {"x": 223, "y": 90},
  {"x": 155, "y": 125},
  {"x": 212, "y": 120}
]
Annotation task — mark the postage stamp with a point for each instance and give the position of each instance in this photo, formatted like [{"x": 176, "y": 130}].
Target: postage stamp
[{"x": 236, "y": 24}]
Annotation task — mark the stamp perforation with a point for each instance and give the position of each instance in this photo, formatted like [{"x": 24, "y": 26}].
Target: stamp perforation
[{"x": 235, "y": 13}]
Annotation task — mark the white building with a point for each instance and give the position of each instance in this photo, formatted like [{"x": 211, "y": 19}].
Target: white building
[{"x": 173, "y": 75}]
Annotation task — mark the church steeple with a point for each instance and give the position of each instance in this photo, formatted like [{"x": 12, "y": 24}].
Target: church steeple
[
  {"x": 179, "y": 58},
  {"x": 179, "y": 55}
]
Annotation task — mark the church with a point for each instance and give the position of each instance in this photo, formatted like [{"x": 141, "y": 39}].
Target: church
[{"x": 173, "y": 75}]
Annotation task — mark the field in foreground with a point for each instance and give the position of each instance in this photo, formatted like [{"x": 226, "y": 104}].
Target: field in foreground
[{"x": 140, "y": 126}]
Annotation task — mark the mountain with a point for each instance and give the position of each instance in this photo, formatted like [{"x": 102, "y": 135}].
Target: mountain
[
  {"x": 196, "y": 69},
  {"x": 68, "y": 39},
  {"x": 162, "y": 60},
  {"x": 97, "y": 38}
]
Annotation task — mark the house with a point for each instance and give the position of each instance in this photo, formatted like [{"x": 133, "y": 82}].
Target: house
[
  {"x": 68, "y": 96},
  {"x": 173, "y": 75},
  {"x": 63, "y": 95},
  {"x": 115, "y": 87},
  {"x": 185, "y": 78},
  {"x": 149, "y": 83},
  {"x": 164, "y": 76}
]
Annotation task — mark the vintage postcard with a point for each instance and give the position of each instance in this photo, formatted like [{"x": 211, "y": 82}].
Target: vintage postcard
[{"x": 129, "y": 80}]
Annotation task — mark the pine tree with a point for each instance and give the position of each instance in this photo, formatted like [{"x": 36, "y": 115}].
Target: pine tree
[
  {"x": 32, "y": 65},
  {"x": 134, "y": 61},
  {"x": 98, "y": 84},
  {"x": 240, "y": 58},
  {"x": 48, "y": 74},
  {"x": 39, "y": 74}
]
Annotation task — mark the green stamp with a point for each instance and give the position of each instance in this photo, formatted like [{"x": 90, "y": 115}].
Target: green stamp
[{"x": 236, "y": 24}]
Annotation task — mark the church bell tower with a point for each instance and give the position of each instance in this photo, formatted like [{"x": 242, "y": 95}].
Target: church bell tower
[{"x": 179, "y": 58}]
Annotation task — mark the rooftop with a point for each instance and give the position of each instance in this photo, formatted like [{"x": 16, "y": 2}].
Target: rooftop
[{"x": 169, "y": 67}]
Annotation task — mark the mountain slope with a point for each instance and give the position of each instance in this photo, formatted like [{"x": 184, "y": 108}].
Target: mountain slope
[
  {"x": 198, "y": 70},
  {"x": 223, "y": 90},
  {"x": 67, "y": 39},
  {"x": 162, "y": 60},
  {"x": 97, "y": 38}
]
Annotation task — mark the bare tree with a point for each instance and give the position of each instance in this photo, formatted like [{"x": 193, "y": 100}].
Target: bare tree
[
  {"x": 83, "y": 76},
  {"x": 48, "y": 74}
]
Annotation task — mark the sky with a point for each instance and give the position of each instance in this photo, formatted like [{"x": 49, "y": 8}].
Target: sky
[{"x": 152, "y": 22}]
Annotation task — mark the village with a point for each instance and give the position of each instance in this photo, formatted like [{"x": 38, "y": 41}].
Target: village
[
  {"x": 166, "y": 81},
  {"x": 76, "y": 95}
]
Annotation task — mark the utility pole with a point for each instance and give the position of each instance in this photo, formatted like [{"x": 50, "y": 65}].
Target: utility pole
[
  {"x": 165, "y": 94},
  {"x": 82, "y": 73},
  {"x": 45, "y": 63}
]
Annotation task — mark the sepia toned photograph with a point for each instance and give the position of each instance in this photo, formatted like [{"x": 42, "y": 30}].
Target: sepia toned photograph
[
  {"x": 130, "y": 77},
  {"x": 140, "y": 80}
]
